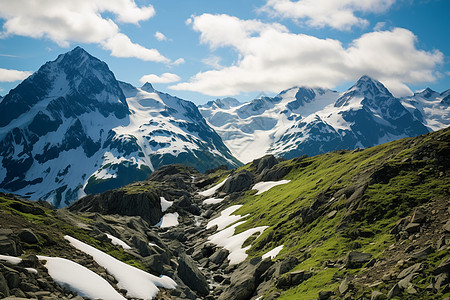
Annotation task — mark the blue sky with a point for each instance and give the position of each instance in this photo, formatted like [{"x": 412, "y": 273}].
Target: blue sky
[{"x": 200, "y": 50}]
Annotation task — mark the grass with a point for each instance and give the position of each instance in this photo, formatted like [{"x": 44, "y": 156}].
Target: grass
[{"x": 399, "y": 176}]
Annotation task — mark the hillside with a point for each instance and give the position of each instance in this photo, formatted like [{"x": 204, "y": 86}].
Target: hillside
[{"x": 362, "y": 224}]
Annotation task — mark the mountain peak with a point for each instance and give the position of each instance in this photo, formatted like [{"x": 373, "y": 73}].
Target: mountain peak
[
  {"x": 426, "y": 93},
  {"x": 369, "y": 86},
  {"x": 148, "y": 87}
]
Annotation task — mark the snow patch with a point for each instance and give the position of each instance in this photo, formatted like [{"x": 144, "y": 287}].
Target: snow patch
[
  {"x": 79, "y": 279},
  {"x": 165, "y": 204},
  {"x": 226, "y": 218},
  {"x": 264, "y": 186},
  {"x": 209, "y": 192},
  {"x": 10, "y": 259},
  {"x": 168, "y": 220},
  {"x": 138, "y": 283},
  {"x": 118, "y": 242},
  {"x": 273, "y": 253},
  {"x": 213, "y": 200}
]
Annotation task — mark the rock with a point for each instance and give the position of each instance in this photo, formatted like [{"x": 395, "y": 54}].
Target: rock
[
  {"x": 146, "y": 205},
  {"x": 394, "y": 291},
  {"x": 28, "y": 236},
  {"x": 446, "y": 226},
  {"x": 9, "y": 244},
  {"x": 265, "y": 162},
  {"x": 27, "y": 209},
  {"x": 12, "y": 277},
  {"x": 423, "y": 253},
  {"x": 4, "y": 289},
  {"x": 377, "y": 295},
  {"x": 440, "y": 280},
  {"x": 292, "y": 279},
  {"x": 406, "y": 282},
  {"x": 239, "y": 182},
  {"x": 156, "y": 262},
  {"x": 246, "y": 278},
  {"x": 191, "y": 275},
  {"x": 444, "y": 266},
  {"x": 411, "y": 290},
  {"x": 324, "y": 295},
  {"x": 345, "y": 286},
  {"x": 356, "y": 259},
  {"x": 28, "y": 287},
  {"x": 332, "y": 214},
  {"x": 412, "y": 228},
  {"x": 410, "y": 270},
  {"x": 219, "y": 256},
  {"x": 419, "y": 216}
]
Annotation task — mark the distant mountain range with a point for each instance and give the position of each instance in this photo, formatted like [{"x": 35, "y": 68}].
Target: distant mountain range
[
  {"x": 311, "y": 121},
  {"x": 72, "y": 129}
]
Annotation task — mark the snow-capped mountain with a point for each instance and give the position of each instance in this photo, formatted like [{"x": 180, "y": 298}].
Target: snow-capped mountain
[
  {"x": 71, "y": 128},
  {"x": 430, "y": 108},
  {"x": 311, "y": 121}
]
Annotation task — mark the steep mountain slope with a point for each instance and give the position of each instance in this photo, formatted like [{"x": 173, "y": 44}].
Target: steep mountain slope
[
  {"x": 312, "y": 121},
  {"x": 430, "y": 108},
  {"x": 69, "y": 129},
  {"x": 365, "y": 224}
]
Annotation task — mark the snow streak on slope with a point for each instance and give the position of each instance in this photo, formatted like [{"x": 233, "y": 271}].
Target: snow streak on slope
[{"x": 138, "y": 283}]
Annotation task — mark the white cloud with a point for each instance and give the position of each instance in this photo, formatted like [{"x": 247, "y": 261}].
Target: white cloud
[
  {"x": 213, "y": 61},
  {"x": 121, "y": 46},
  {"x": 338, "y": 14},
  {"x": 179, "y": 61},
  {"x": 272, "y": 59},
  {"x": 7, "y": 75},
  {"x": 379, "y": 26},
  {"x": 160, "y": 36},
  {"x": 164, "y": 78},
  {"x": 81, "y": 21}
]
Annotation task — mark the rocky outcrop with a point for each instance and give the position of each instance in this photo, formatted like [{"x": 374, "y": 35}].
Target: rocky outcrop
[
  {"x": 238, "y": 182},
  {"x": 146, "y": 205}
]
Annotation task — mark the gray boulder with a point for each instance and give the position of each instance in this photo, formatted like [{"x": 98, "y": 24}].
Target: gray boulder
[
  {"x": 239, "y": 182},
  {"x": 356, "y": 259},
  {"x": 191, "y": 275},
  {"x": 28, "y": 236}
]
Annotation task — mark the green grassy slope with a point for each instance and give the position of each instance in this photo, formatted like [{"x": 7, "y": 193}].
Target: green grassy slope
[{"x": 346, "y": 201}]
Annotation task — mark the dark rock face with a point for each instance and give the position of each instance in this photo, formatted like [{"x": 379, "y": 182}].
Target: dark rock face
[
  {"x": 357, "y": 259},
  {"x": 191, "y": 275},
  {"x": 9, "y": 243},
  {"x": 28, "y": 236},
  {"x": 263, "y": 163},
  {"x": 239, "y": 182},
  {"x": 145, "y": 205}
]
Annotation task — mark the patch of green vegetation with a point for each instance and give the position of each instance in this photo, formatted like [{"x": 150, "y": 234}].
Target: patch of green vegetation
[
  {"x": 369, "y": 190},
  {"x": 309, "y": 289}
]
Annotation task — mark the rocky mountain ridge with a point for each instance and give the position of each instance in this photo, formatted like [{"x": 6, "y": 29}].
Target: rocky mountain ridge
[
  {"x": 74, "y": 110},
  {"x": 311, "y": 121},
  {"x": 364, "y": 224}
]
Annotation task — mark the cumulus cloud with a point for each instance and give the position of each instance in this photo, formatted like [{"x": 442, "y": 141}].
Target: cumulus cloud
[
  {"x": 81, "y": 21},
  {"x": 160, "y": 36},
  {"x": 7, "y": 75},
  {"x": 270, "y": 58},
  {"x": 179, "y": 61},
  {"x": 164, "y": 78},
  {"x": 320, "y": 13}
]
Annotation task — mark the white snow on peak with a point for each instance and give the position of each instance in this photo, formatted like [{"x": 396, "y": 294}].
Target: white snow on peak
[
  {"x": 273, "y": 253},
  {"x": 118, "y": 242},
  {"x": 209, "y": 192},
  {"x": 169, "y": 220},
  {"x": 139, "y": 284},
  {"x": 165, "y": 204},
  {"x": 79, "y": 279},
  {"x": 264, "y": 186}
]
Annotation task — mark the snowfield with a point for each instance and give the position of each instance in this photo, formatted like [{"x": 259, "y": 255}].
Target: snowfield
[
  {"x": 139, "y": 284},
  {"x": 79, "y": 279},
  {"x": 273, "y": 253},
  {"x": 168, "y": 220}
]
